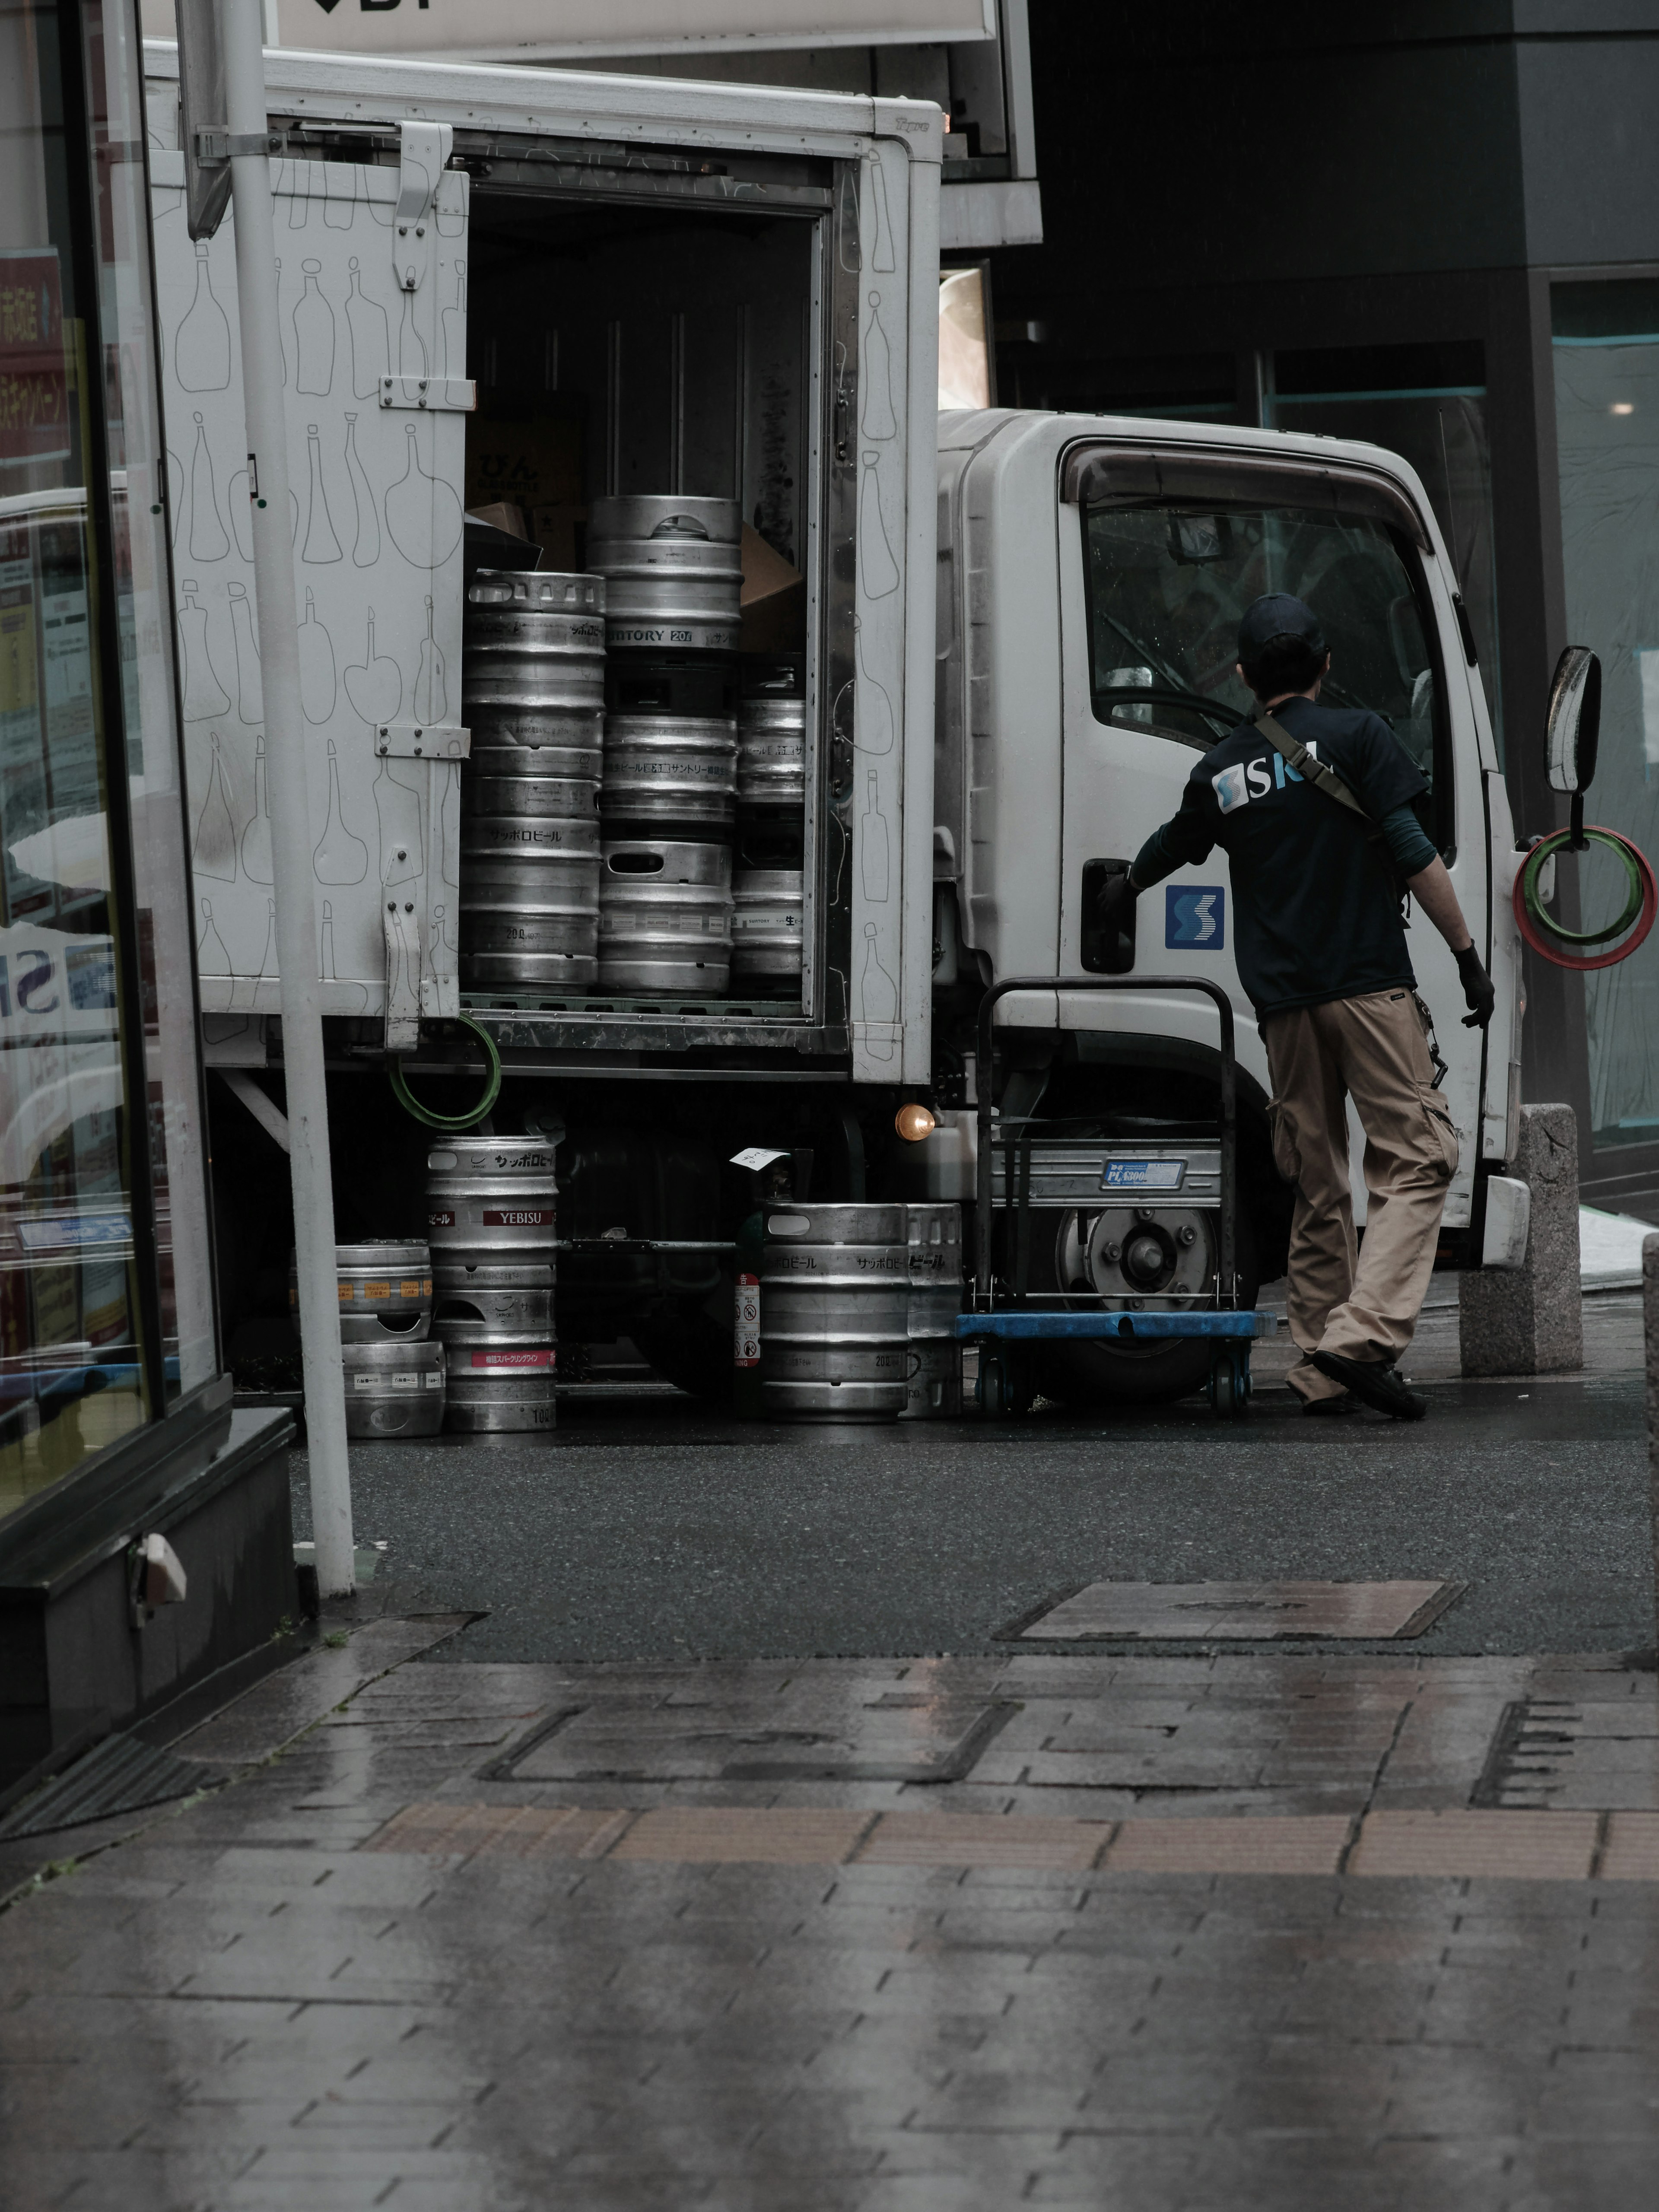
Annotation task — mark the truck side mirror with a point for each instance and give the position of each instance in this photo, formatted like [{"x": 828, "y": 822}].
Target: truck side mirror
[{"x": 1575, "y": 721}]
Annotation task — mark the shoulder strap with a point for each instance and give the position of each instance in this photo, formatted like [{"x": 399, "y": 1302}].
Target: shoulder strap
[{"x": 1305, "y": 765}]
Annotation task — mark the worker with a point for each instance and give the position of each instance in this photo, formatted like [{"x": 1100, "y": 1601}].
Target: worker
[{"x": 1313, "y": 807}]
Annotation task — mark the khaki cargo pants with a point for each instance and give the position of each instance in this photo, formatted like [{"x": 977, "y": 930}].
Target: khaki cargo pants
[{"x": 1363, "y": 1303}]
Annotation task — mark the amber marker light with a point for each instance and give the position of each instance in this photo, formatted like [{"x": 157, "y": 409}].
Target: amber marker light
[{"x": 914, "y": 1122}]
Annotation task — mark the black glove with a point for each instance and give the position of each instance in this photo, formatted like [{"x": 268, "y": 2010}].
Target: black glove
[
  {"x": 1479, "y": 995},
  {"x": 1116, "y": 902}
]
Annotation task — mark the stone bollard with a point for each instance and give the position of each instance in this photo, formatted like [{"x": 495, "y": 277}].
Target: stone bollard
[
  {"x": 1650, "y": 1361},
  {"x": 1529, "y": 1320}
]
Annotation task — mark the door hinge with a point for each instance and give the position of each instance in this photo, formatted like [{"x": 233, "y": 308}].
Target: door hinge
[
  {"x": 424, "y": 151},
  {"x": 452, "y": 395},
  {"x": 424, "y": 740},
  {"x": 214, "y": 148},
  {"x": 402, "y": 974}
]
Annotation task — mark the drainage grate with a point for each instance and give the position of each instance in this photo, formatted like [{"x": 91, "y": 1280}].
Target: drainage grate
[
  {"x": 1552, "y": 1753},
  {"x": 121, "y": 1776}
]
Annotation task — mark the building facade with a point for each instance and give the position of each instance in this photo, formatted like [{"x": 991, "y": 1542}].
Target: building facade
[{"x": 115, "y": 1418}]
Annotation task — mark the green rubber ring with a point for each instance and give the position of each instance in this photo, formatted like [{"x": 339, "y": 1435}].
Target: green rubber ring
[
  {"x": 1545, "y": 850},
  {"x": 492, "y": 1090}
]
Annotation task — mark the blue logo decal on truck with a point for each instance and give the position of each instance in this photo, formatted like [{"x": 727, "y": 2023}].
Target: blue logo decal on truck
[{"x": 1195, "y": 917}]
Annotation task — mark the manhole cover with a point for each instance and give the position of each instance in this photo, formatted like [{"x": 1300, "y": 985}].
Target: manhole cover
[{"x": 1203, "y": 1612}]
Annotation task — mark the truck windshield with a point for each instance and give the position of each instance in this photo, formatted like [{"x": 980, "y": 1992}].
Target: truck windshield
[{"x": 1167, "y": 585}]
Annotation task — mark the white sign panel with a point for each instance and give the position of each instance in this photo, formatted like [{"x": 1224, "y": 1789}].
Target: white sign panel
[{"x": 534, "y": 30}]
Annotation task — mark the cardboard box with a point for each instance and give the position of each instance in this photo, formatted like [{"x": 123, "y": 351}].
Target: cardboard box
[
  {"x": 502, "y": 515},
  {"x": 535, "y": 461},
  {"x": 561, "y": 533},
  {"x": 774, "y": 600}
]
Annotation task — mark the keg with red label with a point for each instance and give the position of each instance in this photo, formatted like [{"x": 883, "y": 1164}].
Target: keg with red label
[
  {"x": 491, "y": 1216},
  {"x": 491, "y": 1202}
]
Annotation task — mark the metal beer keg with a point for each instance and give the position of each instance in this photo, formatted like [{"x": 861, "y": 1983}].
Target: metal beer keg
[
  {"x": 530, "y": 872},
  {"x": 767, "y": 919},
  {"x": 491, "y": 1202},
  {"x": 772, "y": 752},
  {"x": 394, "y": 1389},
  {"x": 670, "y": 771},
  {"x": 673, "y": 570},
  {"x": 835, "y": 1295},
  {"x": 934, "y": 1386},
  {"x": 497, "y": 1387},
  {"x": 665, "y": 917},
  {"x": 532, "y": 669},
  {"x": 386, "y": 1291}
]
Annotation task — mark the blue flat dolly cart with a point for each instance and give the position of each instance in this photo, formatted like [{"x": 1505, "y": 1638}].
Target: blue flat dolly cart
[{"x": 1006, "y": 1320}]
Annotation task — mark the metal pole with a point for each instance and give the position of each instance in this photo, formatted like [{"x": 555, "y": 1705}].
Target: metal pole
[{"x": 241, "y": 23}]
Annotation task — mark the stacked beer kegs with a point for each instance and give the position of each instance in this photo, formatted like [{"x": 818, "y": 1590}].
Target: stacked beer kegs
[
  {"x": 491, "y": 1211},
  {"x": 674, "y": 577},
  {"x": 767, "y": 884},
  {"x": 533, "y": 694}
]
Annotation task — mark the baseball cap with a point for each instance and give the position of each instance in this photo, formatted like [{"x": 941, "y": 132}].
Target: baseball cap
[{"x": 1276, "y": 614}]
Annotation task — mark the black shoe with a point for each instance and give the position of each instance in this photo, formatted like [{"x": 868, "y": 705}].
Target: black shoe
[
  {"x": 1377, "y": 1384},
  {"x": 1347, "y": 1403}
]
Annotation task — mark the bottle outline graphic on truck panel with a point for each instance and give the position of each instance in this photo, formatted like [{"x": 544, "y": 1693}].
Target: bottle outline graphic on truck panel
[
  {"x": 201, "y": 347},
  {"x": 322, "y": 546},
  {"x": 366, "y": 545},
  {"x": 370, "y": 336},
  {"x": 374, "y": 685},
  {"x": 314, "y": 336},
  {"x": 320, "y": 690},
  {"x": 341, "y": 856},
  {"x": 207, "y": 541},
  {"x": 250, "y": 696},
  {"x": 256, "y": 838}
]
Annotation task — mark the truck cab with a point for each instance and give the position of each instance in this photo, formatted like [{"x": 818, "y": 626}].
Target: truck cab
[{"x": 1091, "y": 574}]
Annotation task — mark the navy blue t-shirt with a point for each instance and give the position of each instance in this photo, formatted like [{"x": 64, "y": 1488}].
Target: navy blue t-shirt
[{"x": 1316, "y": 913}]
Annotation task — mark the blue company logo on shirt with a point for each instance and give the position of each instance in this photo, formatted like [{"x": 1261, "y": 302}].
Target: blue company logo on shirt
[
  {"x": 1195, "y": 917},
  {"x": 1236, "y": 786}
]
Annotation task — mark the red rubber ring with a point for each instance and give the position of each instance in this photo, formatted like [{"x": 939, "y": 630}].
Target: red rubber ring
[{"x": 1581, "y": 963}]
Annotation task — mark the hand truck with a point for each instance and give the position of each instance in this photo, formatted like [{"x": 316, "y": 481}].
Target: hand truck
[{"x": 1003, "y": 1322}]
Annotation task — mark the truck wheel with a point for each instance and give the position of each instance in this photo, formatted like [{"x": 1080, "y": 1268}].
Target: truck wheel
[{"x": 692, "y": 1350}]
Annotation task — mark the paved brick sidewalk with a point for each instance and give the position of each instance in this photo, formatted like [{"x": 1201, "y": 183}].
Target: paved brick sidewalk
[{"x": 701, "y": 1936}]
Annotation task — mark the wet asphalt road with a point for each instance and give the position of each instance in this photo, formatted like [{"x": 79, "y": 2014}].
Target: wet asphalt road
[{"x": 646, "y": 1529}]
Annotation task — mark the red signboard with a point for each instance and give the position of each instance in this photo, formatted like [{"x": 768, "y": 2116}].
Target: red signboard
[{"x": 35, "y": 397}]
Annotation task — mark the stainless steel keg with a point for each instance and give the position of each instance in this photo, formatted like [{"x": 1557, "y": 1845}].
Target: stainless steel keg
[
  {"x": 768, "y": 922},
  {"x": 491, "y": 1202},
  {"x": 671, "y": 769},
  {"x": 532, "y": 663},
  {"x": 665, "y": 917},
  {"x": 386, "y": 1291},
  {"x": 673, "y": 570},
  {"x": 529, "y": 877},
  {"x": 394, "y": 1389},
  {"x": 501, "y": 1388},
  {"x": 934, "y": 1389},
  {"x": 772, "y": 752},
  {"x": 493, "y": 1305},
  {"x": 834, "y": 1293}
]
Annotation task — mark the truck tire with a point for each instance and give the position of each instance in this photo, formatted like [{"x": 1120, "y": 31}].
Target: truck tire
[
  {"x": 691, "y": 1348},
  {"x": 1089, "y": 1372}
]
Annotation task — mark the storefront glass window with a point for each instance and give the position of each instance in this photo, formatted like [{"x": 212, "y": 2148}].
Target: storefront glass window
[
  {"x": 1606, "y": 409},
  {"x": 98, "y": 1082}
]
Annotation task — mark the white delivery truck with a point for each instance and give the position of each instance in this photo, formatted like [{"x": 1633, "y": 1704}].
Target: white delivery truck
[{"x": 1015, "y": 631}]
